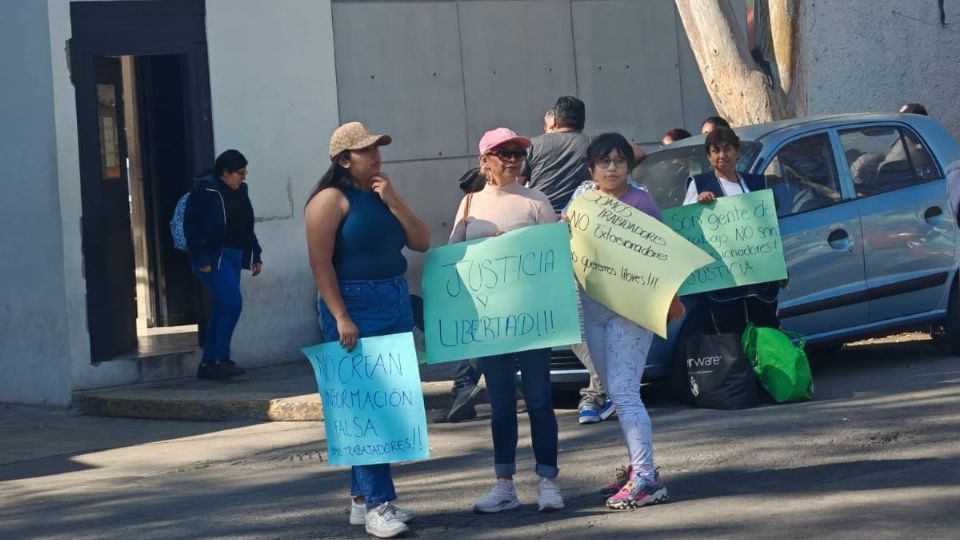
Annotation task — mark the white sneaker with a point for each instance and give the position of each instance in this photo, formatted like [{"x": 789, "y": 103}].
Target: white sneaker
[
  {"x": 502, "y": 497},
  {"x": 358, "y": 513},
  {"x": 549, "y": 498},
  {"x": 383, "y": 522}
]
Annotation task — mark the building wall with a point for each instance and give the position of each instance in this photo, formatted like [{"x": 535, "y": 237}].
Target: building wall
[
  {"x": 274, "y": 95},
  {"x": 282, "y": 128},
  {"x": 436, "y": 74},
  {"x": 34, "y": 358},
  {"x": 875, "y": 56}
]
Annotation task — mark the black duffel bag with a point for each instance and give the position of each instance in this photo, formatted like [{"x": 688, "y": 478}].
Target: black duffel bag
[{"x": 719, "y": 373}]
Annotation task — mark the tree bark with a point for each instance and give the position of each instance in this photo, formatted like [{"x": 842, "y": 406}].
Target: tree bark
[
  {"x": 785, "y": 28},
  {"x": 741, "y": 93}
]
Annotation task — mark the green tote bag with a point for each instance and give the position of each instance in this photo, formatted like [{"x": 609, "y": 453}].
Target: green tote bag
[{"x": 781, "y": 365}]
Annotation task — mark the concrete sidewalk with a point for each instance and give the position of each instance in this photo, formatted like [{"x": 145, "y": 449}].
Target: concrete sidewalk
[{"x": 286, "y": 392}]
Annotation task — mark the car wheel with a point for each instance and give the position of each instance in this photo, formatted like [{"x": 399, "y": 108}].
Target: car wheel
[{"x": 951, "y": 325}]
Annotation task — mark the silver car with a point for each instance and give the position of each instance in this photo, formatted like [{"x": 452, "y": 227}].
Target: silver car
[{"x": 870, "y": 244}]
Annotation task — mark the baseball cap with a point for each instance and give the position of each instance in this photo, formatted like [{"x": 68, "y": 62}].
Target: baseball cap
[
  {"x": 354, "y": 136},
  {"x": 501, "y": 135}
]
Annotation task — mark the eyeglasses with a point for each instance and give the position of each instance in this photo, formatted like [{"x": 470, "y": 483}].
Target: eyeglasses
[
  {"x": 617, "y": 162},
  {"x": 507, "y": 154}
]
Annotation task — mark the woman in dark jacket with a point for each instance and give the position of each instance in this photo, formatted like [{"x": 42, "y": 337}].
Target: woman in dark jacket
[
  {"x": 732, "y": 308},
  {"x": 218, "y": 226}
]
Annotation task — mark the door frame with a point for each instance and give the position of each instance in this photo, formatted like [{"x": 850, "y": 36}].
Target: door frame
[{"x": 139, "y": 28}]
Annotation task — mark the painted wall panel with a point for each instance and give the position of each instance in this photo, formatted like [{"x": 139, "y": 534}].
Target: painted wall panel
[
  {"x": 517, "y": 58},
  {"x": 398, "y": 70},
  {"x": 274, "y": 97},
  {"x": 627, "y": 66}
]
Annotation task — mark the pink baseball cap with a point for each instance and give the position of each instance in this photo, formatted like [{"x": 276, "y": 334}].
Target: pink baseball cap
[{"x": 501, "y": 135}]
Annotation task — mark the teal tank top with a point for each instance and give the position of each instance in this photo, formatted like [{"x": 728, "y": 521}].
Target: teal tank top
[{"x": 370, "y": 240}]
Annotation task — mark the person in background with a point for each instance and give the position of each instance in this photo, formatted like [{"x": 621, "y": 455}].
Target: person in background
[
  {"x": 357, "y": 226},
  {"x": 732, "y": 308},
  {"x": 713, "y": 122},
  {"x": 501, "y": 206},
  {"x": 218, "y": 226},
  {"x": 555, "y": 166},
  {"x": 618, "y": 346},
  {"x": 913, "y": 108},
  {"x": 674, "y": 135}
]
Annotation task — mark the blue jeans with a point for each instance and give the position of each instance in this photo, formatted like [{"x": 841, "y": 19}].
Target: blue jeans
[
  {"x": 223, "y": 282},
  {"x": 500, "y": 372},
  {"x": 378, "y": 308}
]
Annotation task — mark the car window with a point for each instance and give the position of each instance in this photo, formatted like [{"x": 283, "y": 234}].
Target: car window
[
  {"x": 885, "y": 158},
  {"x": 924, "y": 167},
  {"x": 664, "y": 173},
  {"x": 803, "y": 175}
]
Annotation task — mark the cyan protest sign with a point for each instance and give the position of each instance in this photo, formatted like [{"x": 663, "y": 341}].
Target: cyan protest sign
[
  {"x": 741, "y": 233},
  {"x": 513, "y": 292},
  {"x": 372, "y": 400}
]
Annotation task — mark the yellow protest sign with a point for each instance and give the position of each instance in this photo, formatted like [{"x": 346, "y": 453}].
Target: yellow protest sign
[{"x": 629, "y": 261}]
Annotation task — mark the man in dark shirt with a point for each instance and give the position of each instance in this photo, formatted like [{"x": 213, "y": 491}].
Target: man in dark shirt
[{"x": 555, "y": 163}]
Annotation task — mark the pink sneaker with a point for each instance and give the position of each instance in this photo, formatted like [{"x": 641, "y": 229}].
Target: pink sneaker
[
  {"x": 638, "y": 494},
  {"x": 622, "y": 475}
]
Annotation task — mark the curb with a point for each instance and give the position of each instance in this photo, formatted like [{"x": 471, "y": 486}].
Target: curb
[{"x": 192, "y": 404}]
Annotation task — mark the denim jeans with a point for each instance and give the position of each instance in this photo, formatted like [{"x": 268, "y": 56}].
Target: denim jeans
[
  {"x": 500, "y": 371},
  {"x": 378, "y": 308},
  {"x": 223, "y": 282}
]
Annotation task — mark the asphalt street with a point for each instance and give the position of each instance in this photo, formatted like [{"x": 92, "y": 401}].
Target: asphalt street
[{"x": 873, "y": 456}]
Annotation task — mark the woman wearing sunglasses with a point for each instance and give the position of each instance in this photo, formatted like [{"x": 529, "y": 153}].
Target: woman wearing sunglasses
[
  {"x": 502, "y": 206},
  {"x": 618, "y": 346}
]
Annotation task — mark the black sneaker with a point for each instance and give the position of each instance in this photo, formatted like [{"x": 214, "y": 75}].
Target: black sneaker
[
  {"x": 462, "y": 408},
  {"x": 234, "y": 370},
  {"x": 215, "y": 372}
]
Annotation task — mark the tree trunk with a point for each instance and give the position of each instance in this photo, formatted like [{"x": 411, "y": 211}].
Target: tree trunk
[
  {"x": 785, "y": 24},
  {"x": 741, "y": 93}
]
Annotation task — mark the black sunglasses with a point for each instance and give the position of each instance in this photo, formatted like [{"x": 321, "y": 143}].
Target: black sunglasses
[{"x": 506, "y": 153}]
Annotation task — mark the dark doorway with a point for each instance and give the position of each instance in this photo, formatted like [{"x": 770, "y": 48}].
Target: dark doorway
[
  {"x": 137, "y": 156},
  {"x": 166, "y": 163}
]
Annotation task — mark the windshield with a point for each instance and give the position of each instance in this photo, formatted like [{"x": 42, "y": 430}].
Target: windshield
[{"x": 665, "y": 172}]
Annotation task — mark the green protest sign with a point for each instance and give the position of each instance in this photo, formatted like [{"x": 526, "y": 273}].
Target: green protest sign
[
  {"x": 513, "y": 292},
  {"x": 741, "y": 233}
]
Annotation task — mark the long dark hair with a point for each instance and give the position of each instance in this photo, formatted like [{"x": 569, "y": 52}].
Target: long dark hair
[{"x": 335, "y": 177}]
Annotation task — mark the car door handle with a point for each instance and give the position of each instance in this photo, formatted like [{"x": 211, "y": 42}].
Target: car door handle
[
  {"x": 933, "y": 215},
  {"x": 839, "y": 240}
]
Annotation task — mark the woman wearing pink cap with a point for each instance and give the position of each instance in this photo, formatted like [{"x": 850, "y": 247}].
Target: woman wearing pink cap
[{"x": 504, "y": 205}]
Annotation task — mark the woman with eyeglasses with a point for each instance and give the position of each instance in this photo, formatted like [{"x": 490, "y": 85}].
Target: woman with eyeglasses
[
  {"x": 357, "y": 226},
  {"x": 218, "y": 226},
  {"x": 502, "y": 206},
  {"x": 618, "y": 346}
]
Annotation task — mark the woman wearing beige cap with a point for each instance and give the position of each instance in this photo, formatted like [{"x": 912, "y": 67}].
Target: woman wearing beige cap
[
  {"x": 357, "y": 225},
  {"x": 504, "y": 205}
]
